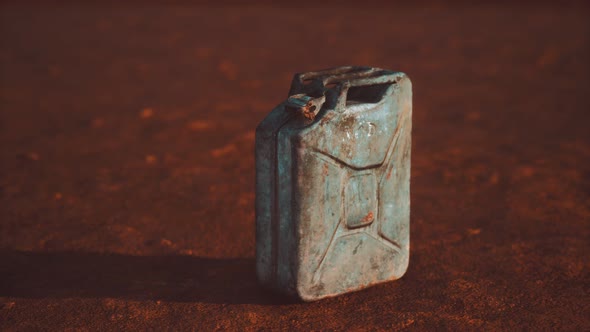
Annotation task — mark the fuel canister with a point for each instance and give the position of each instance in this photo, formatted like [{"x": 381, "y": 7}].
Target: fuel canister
[{"x": 333, "y": 183}]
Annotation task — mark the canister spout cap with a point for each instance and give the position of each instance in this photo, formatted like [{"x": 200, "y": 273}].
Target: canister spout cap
[{"x": 306, "y": 105}]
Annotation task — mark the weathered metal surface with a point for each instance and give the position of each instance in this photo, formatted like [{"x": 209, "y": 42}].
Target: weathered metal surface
[{"x": 333, "y": 183}]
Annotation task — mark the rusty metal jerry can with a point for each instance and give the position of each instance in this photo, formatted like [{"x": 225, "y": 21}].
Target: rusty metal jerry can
[{"x": 333, "y": 183}]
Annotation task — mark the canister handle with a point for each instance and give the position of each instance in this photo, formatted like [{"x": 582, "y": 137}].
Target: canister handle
[{"x": 340, "y": 80}]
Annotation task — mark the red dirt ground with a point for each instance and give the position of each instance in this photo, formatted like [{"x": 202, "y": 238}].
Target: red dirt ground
[{"x": 127, "y": 170}]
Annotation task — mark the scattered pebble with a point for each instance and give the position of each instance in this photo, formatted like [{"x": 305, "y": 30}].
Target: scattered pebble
[
  {"x": 473, "y": 231},
  {"x": 252, "y": 317},
  {"x": 249, "y": 135},
  {"x": 494, "y": 178},
  {"x": 526, "y": 171},
  {"x": 151, "y": 159},
  {"x": 199, "y": 125},
  {"x": 8, "y": 305},
  {"x": 473, "y": 116},
  {"x": 146, "y": 113},
  {"x": 33, "y": 156},
  {"x": 407, "y": 323},
  {"x": 228, "y": 69},
  {"x": 97, "y": 123},
  {"x": 549, "y": 57},
  {"x": 224, "y": 150},
  {"x": 186, "y": 252}
]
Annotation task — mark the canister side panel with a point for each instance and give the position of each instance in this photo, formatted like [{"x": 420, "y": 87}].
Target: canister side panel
[
  {"x": 394, "y": 187},
  {"x": 284, "y": 218},
  {"x": 266, "y": 199}
]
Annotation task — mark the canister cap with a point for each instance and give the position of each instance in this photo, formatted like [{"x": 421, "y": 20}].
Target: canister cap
[{"x": 308, "y": 106}]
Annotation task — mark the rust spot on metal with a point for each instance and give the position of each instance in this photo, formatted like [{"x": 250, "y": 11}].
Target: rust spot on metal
[
  {"x": 347, "y": 123},
  {"x": 308, "y": 111},
  {"x": 326, "y": 118},
  {"x": 306, "y": 105},
  {"x": 368, "y": 218},
  {"x": 325, "y": 170}
]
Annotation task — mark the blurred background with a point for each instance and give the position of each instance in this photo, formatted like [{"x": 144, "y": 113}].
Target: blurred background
[{"x": 127, "y": 169}]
